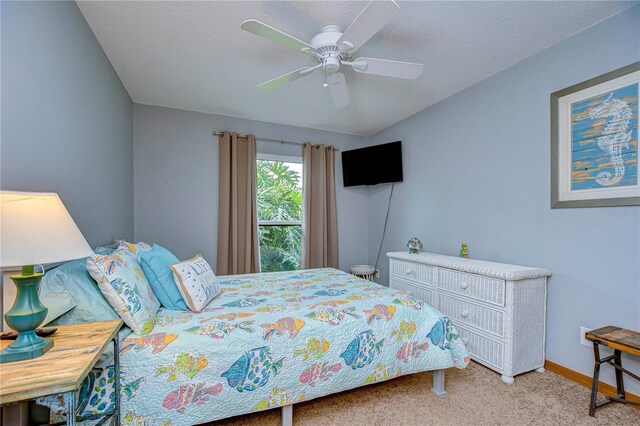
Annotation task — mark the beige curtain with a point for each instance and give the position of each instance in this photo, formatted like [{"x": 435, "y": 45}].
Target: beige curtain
[
  {"x": 319, "y": 218},
  {"x": 238, "y": 246}
]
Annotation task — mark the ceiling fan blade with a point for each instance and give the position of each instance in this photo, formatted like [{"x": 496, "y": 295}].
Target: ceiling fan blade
[
  {"x": 270, "y": 33},
  {"x": 279, "y": 81},
  {"x": 387, "y": 68},
  {"x": 376, "y": 15},
  {"x": 338, "y": 89}
]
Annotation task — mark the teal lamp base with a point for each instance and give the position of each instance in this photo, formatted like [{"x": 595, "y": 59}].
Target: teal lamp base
[{"x": 26, "y": 314}]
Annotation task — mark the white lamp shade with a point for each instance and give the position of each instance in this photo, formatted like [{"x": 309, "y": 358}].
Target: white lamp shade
[{"x": 36, "y": 228}]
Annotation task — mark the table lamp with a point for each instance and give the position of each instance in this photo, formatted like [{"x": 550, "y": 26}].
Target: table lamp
[{"x": 35, "y": 228}]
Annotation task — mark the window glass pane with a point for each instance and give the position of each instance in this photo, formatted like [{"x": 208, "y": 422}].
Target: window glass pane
[
  {"x": 280, "y": 248},
  {"x": 280, "y": 199},
  {"x": 279, "y": 190}
]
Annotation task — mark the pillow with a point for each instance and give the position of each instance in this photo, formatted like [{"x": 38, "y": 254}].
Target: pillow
[
  {"x": 155, "y": 265},
  {"x": 196, "y": 282},
  {"x": 123, "y": 283},
  {"x": 56, "y": 298},
  {"x": 104, "y": 250},
  {"x": 136, "y": 248},
  {"x": 89, "y": 304}
]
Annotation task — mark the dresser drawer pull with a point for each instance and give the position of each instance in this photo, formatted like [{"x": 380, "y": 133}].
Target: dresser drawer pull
[
  {"x": 465, "y": 340},
  {"x": 464, "y": 313},
  {"x": 409, "y": 271},
  {"x": 464, "y": 285}
]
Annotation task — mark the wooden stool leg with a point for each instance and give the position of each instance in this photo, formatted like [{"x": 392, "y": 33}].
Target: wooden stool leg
[
  {"x": 619, "y": 376},
  {"x": 596, "y": 377}
]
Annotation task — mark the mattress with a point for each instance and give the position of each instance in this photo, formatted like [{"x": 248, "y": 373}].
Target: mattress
[{"x": 273, "y": 339}]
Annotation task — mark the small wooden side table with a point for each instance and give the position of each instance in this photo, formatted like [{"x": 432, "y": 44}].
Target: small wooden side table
[
  {"x": 61, "y": 371},
  {"x": 620, "y": 340}
]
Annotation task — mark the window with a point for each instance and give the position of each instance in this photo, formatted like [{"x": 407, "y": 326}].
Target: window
[{"x": 279, "y": 213}]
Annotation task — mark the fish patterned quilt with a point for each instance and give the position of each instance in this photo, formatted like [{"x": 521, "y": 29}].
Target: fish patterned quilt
[{"x": 273, "y": 339}]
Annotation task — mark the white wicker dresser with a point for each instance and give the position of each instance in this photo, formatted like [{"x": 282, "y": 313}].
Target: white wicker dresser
[{"x": 498, "y": 309}]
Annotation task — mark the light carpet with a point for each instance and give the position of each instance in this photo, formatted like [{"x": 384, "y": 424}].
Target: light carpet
[{"x": 475, "y": 396}]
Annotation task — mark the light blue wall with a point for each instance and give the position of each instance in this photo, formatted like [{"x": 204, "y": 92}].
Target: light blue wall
[
  {"x": 477, "y": 168},
  {"x": 176, "y": 179},
  {"x": 67, "y": 121}
]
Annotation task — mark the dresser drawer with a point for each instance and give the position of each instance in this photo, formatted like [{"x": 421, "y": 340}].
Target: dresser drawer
[
  {"x": 412, "y": 271},
  {"x": 481, "y": 288},
  {"x": 482, "y": 348},
  {"x": 418, "y": 291},
  {"x": 484, "y": 318}
]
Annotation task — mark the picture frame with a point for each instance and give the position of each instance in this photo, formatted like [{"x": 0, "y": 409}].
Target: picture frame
[{"x": 594, "y": 141}]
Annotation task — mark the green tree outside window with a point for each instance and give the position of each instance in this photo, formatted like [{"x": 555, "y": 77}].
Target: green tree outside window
[{"x": 279, "y": 201}]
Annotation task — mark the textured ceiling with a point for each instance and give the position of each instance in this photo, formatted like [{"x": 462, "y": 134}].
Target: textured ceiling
[{"x": 194, "y": 56}]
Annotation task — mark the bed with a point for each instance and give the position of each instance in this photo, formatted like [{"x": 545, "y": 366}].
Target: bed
[{"x": 275, "y": 339}]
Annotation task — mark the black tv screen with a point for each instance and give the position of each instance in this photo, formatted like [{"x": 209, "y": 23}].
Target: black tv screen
[{"x": 372, "y": 165}]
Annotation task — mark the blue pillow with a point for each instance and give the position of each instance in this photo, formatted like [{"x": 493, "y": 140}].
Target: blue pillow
[
  {"x": 155, "y": 265},
  {"x": 90, "y": 304},
  {"x": 104, "y": 250},
  {"x": 55, "y": 296}
]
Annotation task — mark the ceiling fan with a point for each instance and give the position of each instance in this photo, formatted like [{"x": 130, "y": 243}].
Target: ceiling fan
[{"x": 333, "y": 49}]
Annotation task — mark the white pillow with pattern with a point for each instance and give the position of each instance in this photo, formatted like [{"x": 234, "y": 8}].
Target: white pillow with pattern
[
  {"x": 134, "y": 248},
  {"x": 123, "y": 284},
  {"x": 196, "y": 282}
]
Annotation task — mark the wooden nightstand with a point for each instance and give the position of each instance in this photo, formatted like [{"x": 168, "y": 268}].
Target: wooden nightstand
[{"x": 61, "y": 371}]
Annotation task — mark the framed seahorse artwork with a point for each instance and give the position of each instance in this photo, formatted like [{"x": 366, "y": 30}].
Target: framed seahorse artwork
[{"x": 594, "y": 141}]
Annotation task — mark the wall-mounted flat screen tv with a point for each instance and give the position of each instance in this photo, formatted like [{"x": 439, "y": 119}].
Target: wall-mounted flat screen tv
[{"x": 372, "y": 165}]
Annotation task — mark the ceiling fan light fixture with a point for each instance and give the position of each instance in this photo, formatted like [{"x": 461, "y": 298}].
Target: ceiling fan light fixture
[
  {"x": 333, "y": 79},
  {"x": 331, "y": 64},
  {"x": 332, "y": 50}
]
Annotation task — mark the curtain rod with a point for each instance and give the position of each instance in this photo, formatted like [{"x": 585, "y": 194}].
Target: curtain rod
[{"x": 280, "y": 141}]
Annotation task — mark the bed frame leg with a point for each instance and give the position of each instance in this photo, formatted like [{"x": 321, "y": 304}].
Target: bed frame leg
[
  {"x": 287, "y": 415},
  {"x": 438, "y": 383}
]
